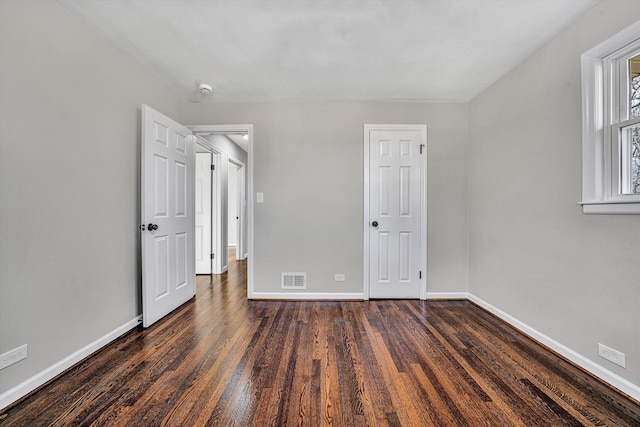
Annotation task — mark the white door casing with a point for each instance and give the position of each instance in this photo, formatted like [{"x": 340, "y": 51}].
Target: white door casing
[
  {"x": 203, "y": 233},
  {"x": 395, "y": 211},
  {"x": 249, "y": 193},
  {"x": 241, "y": 208},
  {"x": 167, "y": 192}
]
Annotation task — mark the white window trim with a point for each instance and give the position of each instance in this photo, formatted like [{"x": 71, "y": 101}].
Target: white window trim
[{"x": 600, "y": 194}]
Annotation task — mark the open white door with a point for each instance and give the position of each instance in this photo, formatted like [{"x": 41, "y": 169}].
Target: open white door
[
  {"x": 168, "y": 182},
  {"x": 395, "y": 211}
]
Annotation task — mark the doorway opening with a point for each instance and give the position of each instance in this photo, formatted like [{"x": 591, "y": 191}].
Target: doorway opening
[{"x": 228, "y": 151}]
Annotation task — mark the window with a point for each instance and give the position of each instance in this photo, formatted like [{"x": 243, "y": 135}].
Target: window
[
  {"x": 611, "y": 125},
  {"x": 634, "y": 113}
]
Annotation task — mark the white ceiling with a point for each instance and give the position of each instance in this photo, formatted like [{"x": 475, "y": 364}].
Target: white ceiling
[{"x": 429, "y": 50}]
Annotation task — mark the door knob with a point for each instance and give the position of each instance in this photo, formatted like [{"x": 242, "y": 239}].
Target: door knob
[
  {"x": 152, "y": 227},
  {"x": 374, "y": 224}
]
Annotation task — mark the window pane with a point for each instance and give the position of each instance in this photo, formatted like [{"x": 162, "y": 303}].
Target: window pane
[
  {"x": 632, "y": 139},
  {"x": 635, "y": 160},
  {"x": 630, "y": 159},
  {"x": 634, "y": 79}
]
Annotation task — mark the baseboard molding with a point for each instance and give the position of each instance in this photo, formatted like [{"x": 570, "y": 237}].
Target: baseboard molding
[
  {"x": 318, "y": 296},
  {"x": 22, "y": 389},
  {"x": 588, "y": 365},
  {"x": 345, "y": 296},
  {"x": 447, "y": 295}
]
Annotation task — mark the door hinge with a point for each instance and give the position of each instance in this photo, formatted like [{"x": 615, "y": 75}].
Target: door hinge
[
  {"x": 420, "y": 274},
  {"x": 421, "y": 147},
  {"x": 213, "y": 167},
  {"x": 213, "y": 256}
]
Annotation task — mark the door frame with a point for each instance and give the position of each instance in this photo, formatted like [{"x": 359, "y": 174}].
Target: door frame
[
  {"x": 241, "y": 197},
  {"x": 248, "y": 128},
  {"x": 216, "y": 206},
  {"x": 423, "y": 204}
]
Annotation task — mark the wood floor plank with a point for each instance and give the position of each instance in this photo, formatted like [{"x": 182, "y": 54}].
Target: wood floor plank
[
  {"x": 221, "y": 359},
  {"x": 507, "y": 375},
  {"x": 560, "y": 394}
]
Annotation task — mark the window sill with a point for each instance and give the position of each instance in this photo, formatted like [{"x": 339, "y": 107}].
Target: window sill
[{"x": 609, "y": 208}]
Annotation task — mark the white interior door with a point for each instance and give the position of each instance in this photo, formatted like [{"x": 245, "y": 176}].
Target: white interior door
[
  {"x": 168, "y": 181},
  {"x": 216, "y": 219},
  {"x": 396, "y": 227},
  {"x": 203, "y": 235},
  {"x": 241, "y": 209},
  {"x": 232, "y": 204}
]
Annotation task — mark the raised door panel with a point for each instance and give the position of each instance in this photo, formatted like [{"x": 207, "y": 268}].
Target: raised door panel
[
  {"x": 161, "y": 253},
  {"x": 161, "y": 187},
  {"x": 181, "y": 190}
]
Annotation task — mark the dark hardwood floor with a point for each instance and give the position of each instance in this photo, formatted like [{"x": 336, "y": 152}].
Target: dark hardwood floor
[{"x": 223, "y": 360}]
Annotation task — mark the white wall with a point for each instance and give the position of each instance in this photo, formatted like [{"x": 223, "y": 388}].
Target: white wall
[
  {"x": 69, "y": 184},
  {"x": 533, "y": 253},
  {"x": 308, "y": 162}
]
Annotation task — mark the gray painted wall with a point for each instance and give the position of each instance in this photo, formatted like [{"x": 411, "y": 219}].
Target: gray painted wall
[
  {"x": 308, "y": 162},
  {"x": 533, "y": 253},
  {"x": 69, "y": 185}
]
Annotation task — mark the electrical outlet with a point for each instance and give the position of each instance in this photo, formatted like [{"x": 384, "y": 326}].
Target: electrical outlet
[
  {"x": 339, "y": 278},
  {"x": 13, "y": 356},
  {"x": 611, "y": 355}
]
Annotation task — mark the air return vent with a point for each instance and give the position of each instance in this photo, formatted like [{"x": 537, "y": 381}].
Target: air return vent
[{"x": 294, "y": 281}]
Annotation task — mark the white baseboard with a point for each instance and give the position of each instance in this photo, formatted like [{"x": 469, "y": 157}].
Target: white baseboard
[
  {"x": 590, "y": 366},
  {"x": 22, "y": 389},
  {"x": 447, "y": 295},
  {"x": 317, "y": 296},
  {"x": 345, "y": 296}
]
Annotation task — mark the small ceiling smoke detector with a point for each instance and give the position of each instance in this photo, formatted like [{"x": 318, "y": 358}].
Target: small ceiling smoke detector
[{"x": 205, "y": 89}]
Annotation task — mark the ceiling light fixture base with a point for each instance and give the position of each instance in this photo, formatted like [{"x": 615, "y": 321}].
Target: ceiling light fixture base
[{"x": 205, "y": 89}]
